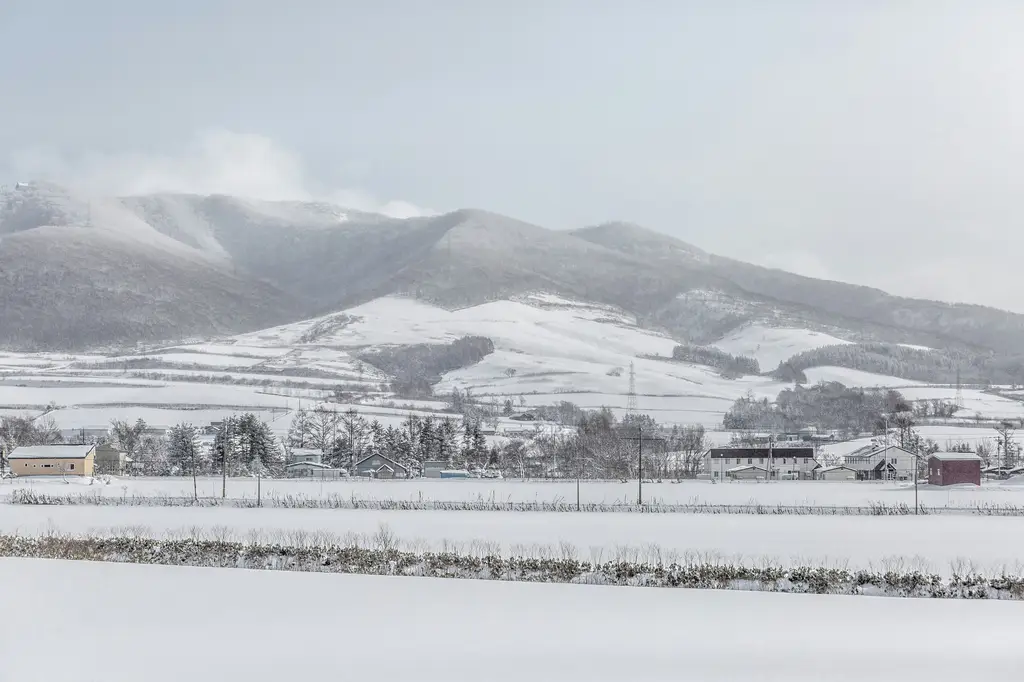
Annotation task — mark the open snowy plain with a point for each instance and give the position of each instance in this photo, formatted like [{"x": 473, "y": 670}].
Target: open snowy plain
[
  {"x": 775, "y": 493},
  {"x": 939, "y": 545},
  {"x": 319, "y": 626},
  {"x": 547, "y": 349}
]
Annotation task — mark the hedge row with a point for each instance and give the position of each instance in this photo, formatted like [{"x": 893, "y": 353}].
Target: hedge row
[
  {"x": 389, "y": 561},
  {"x": 29, "y": 496}
]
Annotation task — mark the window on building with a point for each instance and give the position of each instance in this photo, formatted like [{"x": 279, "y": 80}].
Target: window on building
[
  {"x": 783, "y": 460},
  {"x": 72, "y": 466},
  {"x": 750, "y": 460}
]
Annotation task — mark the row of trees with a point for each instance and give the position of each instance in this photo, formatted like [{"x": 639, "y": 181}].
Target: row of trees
[
  {"x": 344, "y": 438},
  {"x": 731, "y": 366},
  {"x": 827, "y": 405},
  {"x": 932, "y": 365}
]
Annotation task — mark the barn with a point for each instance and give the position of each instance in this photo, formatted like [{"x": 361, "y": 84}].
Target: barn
[{"x": 953, "y": 468}]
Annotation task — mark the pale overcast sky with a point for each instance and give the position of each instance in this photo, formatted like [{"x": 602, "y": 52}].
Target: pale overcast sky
[{"x": 876, "y": 142}]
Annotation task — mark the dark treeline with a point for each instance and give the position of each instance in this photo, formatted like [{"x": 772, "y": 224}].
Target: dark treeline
[
  {"x": 417, "y": 367},
  {"x": 937, "y": 366},
  {"x": 731, "y": 366},
  {"x": 824, "y": 405}
]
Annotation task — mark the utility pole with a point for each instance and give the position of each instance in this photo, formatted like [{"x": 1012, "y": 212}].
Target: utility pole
[
  {"x": 192, "y": 450},
  {"x": 224, "y": 464},
  {"x": 917, "y": 465},
  {"x": 771, "y": 454},
  {"x": 640, "y": 438}
]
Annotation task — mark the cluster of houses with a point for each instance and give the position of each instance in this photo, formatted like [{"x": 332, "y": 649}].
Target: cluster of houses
[
  {"x": 308, "y": 463},
  {"x": 872, "y": 463}
]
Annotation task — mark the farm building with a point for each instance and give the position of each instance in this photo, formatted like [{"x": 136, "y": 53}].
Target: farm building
[
  {"x": 838, "y": 472},
  {"x": 953, "y": 468},
  {"x": 298, "y": 455},
  {"x": 433, "y": 468},
  {"x": 747, "y": 472},
  {"x": 783, "y": 463},
  {"x": 53, "y": 460},
  {"x": 379, "y": 466},
  {"x": 882, "y": 463},
  {"x": 110, "y": 460},
  {"x": 310, "y": 469}
]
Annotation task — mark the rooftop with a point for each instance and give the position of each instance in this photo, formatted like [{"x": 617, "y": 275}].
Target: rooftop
[
  {"x": 51, "y": 452},
  {"x": 955, "y": 456}
]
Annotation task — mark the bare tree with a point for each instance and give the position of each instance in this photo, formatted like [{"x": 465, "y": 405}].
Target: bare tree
[
  {"x": 688, "y": 447},
  {"x": 1006, "y": 445},
  {"x": 323, "y": 430}
]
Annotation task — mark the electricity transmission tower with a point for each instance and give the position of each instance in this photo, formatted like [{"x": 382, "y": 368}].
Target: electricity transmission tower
[{"x": 631, "y": 396}]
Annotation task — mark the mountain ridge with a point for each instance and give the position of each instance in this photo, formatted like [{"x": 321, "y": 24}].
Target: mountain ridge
[{"x": 222, "y": 264}]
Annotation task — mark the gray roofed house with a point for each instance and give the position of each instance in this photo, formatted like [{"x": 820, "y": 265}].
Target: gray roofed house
[{"x": 379, "y": 466}]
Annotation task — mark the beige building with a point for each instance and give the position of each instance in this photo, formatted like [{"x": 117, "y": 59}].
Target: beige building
[{"x": 53, "y": 460}]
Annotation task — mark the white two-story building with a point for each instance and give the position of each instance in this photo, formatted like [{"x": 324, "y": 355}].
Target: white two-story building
[
  {"x": 882, "y": 463},
  {"x": 784, "y": 463}
]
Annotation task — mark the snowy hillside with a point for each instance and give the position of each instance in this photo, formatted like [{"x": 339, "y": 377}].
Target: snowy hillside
[{"x": 771, "y": 345}]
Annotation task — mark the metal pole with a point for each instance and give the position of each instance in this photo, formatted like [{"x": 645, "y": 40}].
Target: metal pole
[
  {"x": 195, "y": 485},
  {"x": 578, "y": 490},
  {"x": 916, "y": 465},
  {"x": 224, "y": 464},
  {"x": 640, "y": 466}
]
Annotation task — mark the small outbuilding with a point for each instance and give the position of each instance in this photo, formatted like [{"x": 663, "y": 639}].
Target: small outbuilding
[
  {"x": 110, "y": 460},
  {"x": 53, "y": 460},
  {"x": 954, "y": 468},
  {"x": 747, "y": 472},
  {"x": 433, "y": 468},
  {"x": 838, "y": 472}
]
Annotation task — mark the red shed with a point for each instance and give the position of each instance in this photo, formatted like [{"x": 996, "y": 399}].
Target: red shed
[{"x": 951, "y": 468}]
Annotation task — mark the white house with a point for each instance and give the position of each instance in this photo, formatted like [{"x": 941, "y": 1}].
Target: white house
[
  {"x": 882, "y": 463},
  {"x": 299, "y": 455}
]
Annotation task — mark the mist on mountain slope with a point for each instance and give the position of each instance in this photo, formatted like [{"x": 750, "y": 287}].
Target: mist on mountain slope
[{"x": 171, "y": 266}]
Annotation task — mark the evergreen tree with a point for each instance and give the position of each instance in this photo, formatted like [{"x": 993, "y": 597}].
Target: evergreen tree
[
  {"x": 300, "y": 431},
  {"x": 184, "y": 454}
]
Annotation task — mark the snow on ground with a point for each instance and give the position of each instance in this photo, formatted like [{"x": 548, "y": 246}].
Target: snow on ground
[
  {"x": 139, "y": 392},
  {"x": 942, "y": 435},
  {"x": 547, "y": 349},
  {"x": 265, "y": 626},
  {"x": 929, "y": 543},
  {"x": 790, "y": 493},
  {"x": 554, "y": 346},
  {"x": 100, "y": 417},
  {"x": 855, "y": 377},
  {"x": 773, "y": 345}
]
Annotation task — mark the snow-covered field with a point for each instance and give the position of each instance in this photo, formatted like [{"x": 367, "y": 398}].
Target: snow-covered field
[
  {"x": 789, "y": 493},
  {"x": 547, "y": 349},
  {"x": 773, "y": 345},
  {"x": 268, "y": 626},
  {"x": 928, "y": 543}
]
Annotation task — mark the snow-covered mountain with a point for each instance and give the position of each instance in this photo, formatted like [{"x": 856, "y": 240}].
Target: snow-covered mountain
[{"x": 77, "y": 273}]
